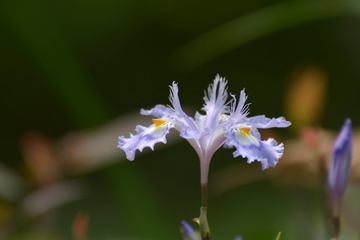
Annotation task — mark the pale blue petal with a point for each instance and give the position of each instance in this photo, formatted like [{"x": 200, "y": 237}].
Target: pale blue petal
[
  {"x": 255, "y": 133},
  {"x": 264, "y": 122},
  {"x": 200, "y": 121},
  {"x": 241, "y": 110},
  {"x": 214, "y": 141},
  {"x": 248, "y": 146},
  {"x": 174, "y": 99},
  {"x": 189, "y": 133},
  {"x": 145, "y": 137},
  {"x": 180, "y": 124},
  {"x": 158, "y": 111},
  {"x": 215, "y": 102},
  {"x": 202, "y": 131}
]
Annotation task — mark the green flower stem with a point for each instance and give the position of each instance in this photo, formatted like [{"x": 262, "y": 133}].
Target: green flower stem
[
  {"x": 204, "y": 225},
  {"x": 204, "y": 194}
]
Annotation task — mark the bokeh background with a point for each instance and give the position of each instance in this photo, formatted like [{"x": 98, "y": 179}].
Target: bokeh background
[{"x": 74, "y": 75}]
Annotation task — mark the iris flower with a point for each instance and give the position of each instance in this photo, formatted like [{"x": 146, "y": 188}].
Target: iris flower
[{"x": 224, "y": 123}]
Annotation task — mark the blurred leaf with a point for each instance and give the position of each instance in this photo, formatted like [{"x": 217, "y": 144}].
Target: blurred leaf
[
  {"x": 255, "y": 25},
  {"x": 51, "y": 197},
  {"x": 139, "y": 204},
  {"x": 278, "y": 236},
  {"x": 39, "y": 31}
]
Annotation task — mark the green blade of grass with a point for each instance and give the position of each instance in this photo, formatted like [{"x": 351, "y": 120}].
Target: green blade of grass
[
  {"x": 255, "y": 25},
  {"x": 38, "y": 31}
]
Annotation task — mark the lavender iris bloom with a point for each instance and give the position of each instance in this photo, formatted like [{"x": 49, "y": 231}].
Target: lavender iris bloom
[
  {"x": 188, "y": 231},
  {"x": 340, "y": 166},
  {"x": 224, "y": 123}
]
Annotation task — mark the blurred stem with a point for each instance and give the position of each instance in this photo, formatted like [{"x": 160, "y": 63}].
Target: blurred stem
[
  {"x": 331, "y": 207},
  {"x": 325, "y": 196},
  {"x": 336, "y": 219},
  {"x": 336, "y": 223}
]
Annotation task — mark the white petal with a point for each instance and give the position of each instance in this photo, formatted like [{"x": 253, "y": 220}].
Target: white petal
[{"x": 181, "y": 115}]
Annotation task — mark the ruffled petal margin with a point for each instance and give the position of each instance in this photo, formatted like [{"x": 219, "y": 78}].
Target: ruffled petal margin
[
  {"x": 158, "y": 111},
  {"x": 145, "y": 137},
  {"x": 248, "y": 146},
  {"x": 264, "y": 122}
]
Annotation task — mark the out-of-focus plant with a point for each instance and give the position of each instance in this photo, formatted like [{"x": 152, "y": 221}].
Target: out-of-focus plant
[
  {"x": 339, "y": 173},
  {"x": 306, "y": 97},
  {"x": 80, "y": 226}
]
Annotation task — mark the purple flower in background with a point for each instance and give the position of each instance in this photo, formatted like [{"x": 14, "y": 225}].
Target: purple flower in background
[
  {"x": 340, "y": 165},
  {"x": 224, "y": 122},
  {"x": 188, "y": 231}
]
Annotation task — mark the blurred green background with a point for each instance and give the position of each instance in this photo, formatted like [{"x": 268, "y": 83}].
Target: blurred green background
[{"x": 76, "y": 66}]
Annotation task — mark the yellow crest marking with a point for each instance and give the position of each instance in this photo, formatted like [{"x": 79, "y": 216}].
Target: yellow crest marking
[
  {"x": 245, "y": 131},
  {"x": 158, "y": 122}
]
